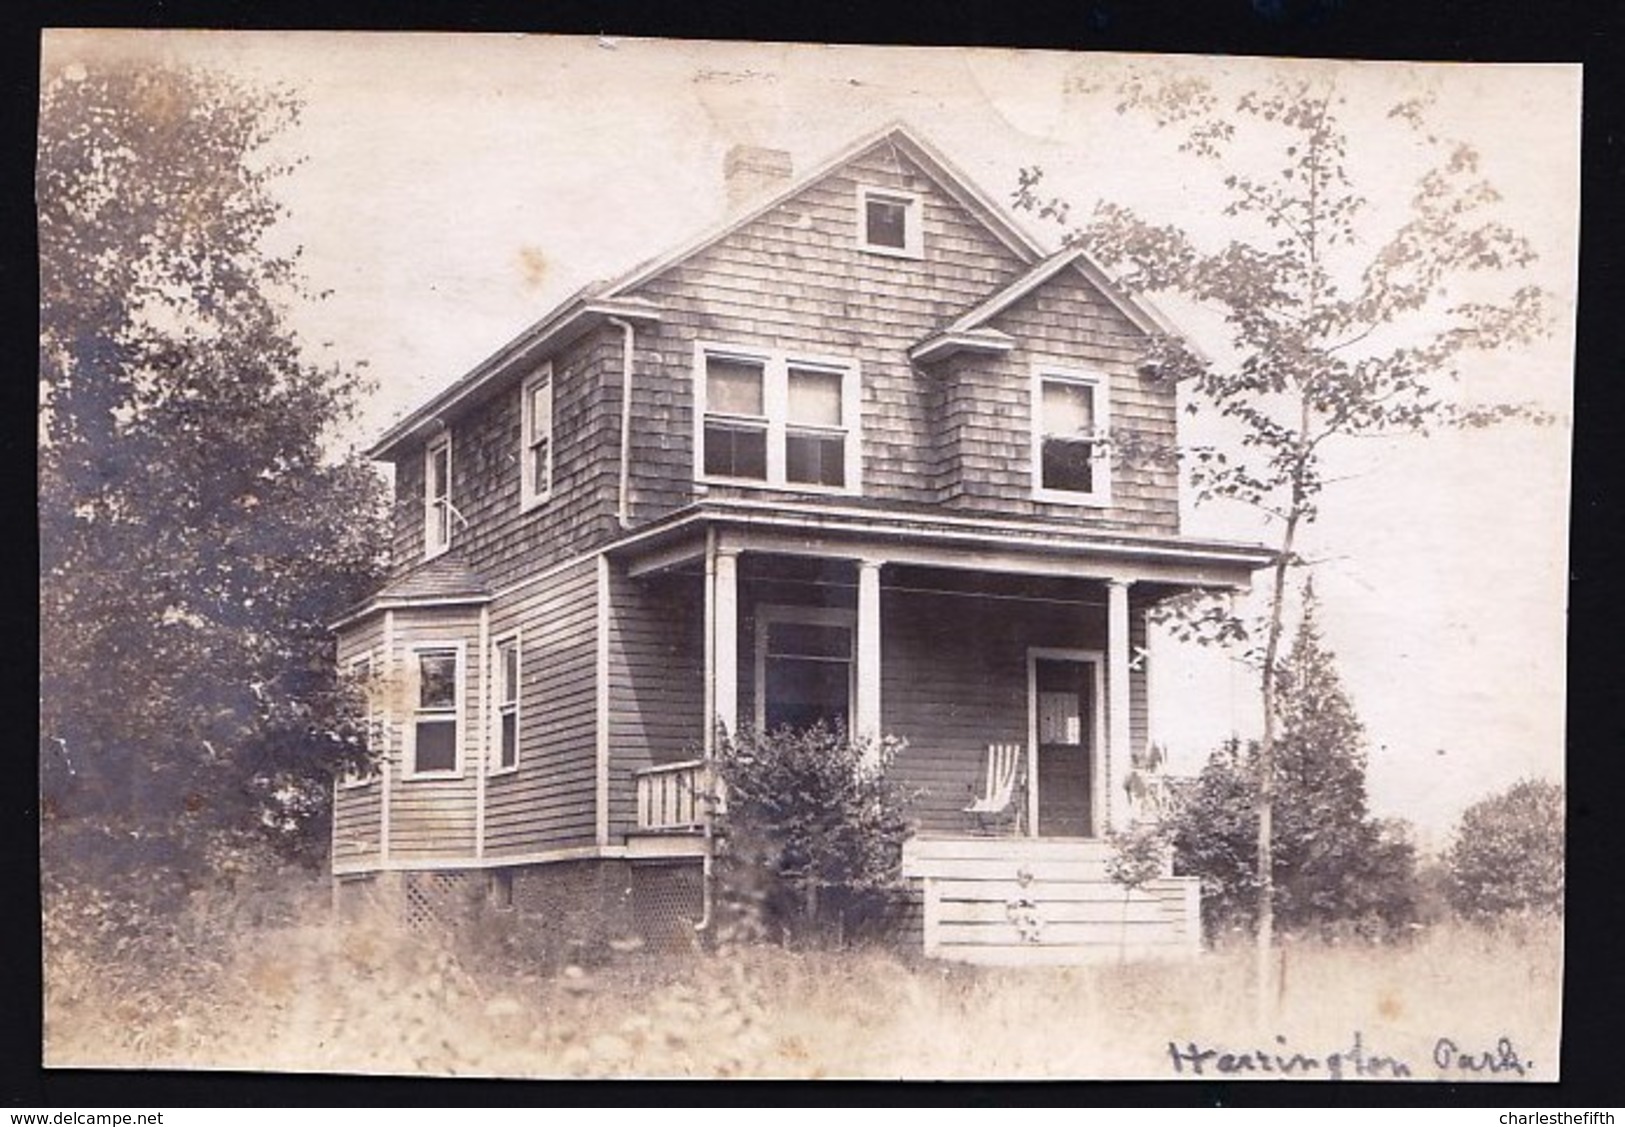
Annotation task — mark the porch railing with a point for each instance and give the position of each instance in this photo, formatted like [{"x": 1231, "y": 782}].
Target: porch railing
[{"x": 676, "y": 796}]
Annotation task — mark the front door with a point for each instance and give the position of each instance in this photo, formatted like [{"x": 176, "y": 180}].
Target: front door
[{"x": 1063, "y": 701}]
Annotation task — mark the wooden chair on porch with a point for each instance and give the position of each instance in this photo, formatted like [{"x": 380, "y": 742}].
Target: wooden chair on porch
[{"x": 998, "y": 807}]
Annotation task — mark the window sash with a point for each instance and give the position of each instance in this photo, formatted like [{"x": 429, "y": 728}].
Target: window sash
[
  {"x": 437, "y": 716},
  {"x": 804, "y": 435},
  {"x": 437, "y": 495},
  {"x": 508, "y": 673},
  {"x": 1070, "y": 424},
  {"x": 536, "y": 454}
]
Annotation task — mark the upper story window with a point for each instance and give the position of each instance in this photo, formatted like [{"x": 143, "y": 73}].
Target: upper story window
[
  {"x": 536, "y": 452},
  {"x": 437, "y": 507},
  {"x": 507, "y": 704},
  {"x": 889, "y": 222},
  {"x": 776, "y": 419},
  {"x": 1071, "y": 462},
  {"x": 437, "y": 713}
]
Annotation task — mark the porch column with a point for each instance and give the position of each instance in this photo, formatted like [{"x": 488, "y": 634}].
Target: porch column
[
  {"x": 866, "y": 713},
  {"x": 725, "y": 638},
  {"x": 1117, "y": 703}
]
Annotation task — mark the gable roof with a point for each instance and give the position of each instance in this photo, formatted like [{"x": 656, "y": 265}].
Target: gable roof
[
  {"x": 597, "y": 303},
  {"x": 969, "y": 332}
]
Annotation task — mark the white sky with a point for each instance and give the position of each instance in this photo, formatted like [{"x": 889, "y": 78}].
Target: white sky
[{"x": 455, "y": 187}]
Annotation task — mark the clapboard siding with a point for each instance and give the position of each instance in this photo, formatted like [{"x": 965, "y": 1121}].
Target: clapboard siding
[
  {"x": 433, "y": 818},
  {"x": 550, "y": 800},
  {"x": 656, "y": 681},
  {"x": 954, "y": 679}
]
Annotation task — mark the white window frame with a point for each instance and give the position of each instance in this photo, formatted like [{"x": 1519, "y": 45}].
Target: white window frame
[
  {"x": 913, "y": 217},
  {"x": 500, "y": 706},
  {"x": 433, "y": 543},
  {"x": 776, "y": 367},
  {"x": 529, "y": 495},
  {"x": 769, "y": 613},
  {"x": 457, "y": 716},
  {"x": 1101, "y": 495},
  {"x": 360, "y": 666}
]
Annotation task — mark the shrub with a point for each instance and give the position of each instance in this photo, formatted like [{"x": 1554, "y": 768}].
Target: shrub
[
  {"x": 1507, "y": 855},
  {"x": 813, "y": 830}
]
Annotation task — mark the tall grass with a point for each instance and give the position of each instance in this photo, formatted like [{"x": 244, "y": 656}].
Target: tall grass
[{"x": 300, "y": 990}]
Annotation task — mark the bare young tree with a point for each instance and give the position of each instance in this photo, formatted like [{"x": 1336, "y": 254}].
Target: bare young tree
[{"x": 1336, "y": 331}]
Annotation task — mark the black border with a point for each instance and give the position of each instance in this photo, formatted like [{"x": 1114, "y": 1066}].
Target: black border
[{"x": 1492, "y": 31}]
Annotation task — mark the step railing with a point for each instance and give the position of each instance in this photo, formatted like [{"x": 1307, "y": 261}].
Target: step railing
[{"x": 676, "y": 796}]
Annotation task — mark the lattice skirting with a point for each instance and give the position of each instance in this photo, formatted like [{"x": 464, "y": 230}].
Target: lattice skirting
[
  {"x": 667, "y": 901},
  {"x": 440, "y": 900}
]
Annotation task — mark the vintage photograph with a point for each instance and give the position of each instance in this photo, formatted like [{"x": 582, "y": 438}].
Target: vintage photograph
[{"x": 584, "y": 557}]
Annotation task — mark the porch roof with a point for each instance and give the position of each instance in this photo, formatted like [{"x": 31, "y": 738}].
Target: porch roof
[{"x": 932, "y": 538}]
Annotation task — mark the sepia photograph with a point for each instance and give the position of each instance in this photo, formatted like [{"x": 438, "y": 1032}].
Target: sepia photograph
[{"x": 580, "y": 557}]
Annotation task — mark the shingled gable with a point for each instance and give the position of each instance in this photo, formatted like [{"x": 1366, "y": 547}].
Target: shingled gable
[{"x": 599, "y": 302}]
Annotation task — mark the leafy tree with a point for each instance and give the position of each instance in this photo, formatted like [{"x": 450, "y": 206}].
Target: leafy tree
[
  {"x": 1336, "y": 331},
  {"x": 1335, "y": 867},
  {"x": 195, "y": 533},
  {"x": 1507, "y": 854},
  {"x": 814, "y": 827}
]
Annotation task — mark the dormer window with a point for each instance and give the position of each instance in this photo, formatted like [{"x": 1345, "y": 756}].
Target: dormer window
[
  {"x": 1070, "y": 459},
  {"x": 889, "y": 222},
  {"x": 437, "y": 507},
  {"x": 536, "y": 438}
]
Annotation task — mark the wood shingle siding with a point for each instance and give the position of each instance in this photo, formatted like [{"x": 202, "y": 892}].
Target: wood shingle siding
[
  {"x": 500, "y": 542},
  {"x": 795, "y": 280},
  {"x": 549, "y": 802}
]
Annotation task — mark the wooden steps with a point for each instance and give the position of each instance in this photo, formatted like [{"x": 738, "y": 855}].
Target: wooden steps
[{"x": 1033, "y": 901}]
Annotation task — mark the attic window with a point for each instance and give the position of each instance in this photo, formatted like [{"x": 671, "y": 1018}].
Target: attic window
[{"x": 889, "y": 222}]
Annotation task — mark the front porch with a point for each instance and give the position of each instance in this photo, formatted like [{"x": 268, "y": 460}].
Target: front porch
[{"x": 953, "y": 647}]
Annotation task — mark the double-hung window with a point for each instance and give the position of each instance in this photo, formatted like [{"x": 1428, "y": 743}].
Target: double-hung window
[
  {"x": 778, "y": 419},
  {"x": 1071, "y": 462},
  {"x": 437, "y": 711},
  {"x": 804, "y": 667},
  {"x": 507, "y": 704},
  {"x": 536, "y": 450},
  {"x": 437, "y": 507}
]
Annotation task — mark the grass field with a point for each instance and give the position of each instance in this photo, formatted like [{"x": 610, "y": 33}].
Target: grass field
[{"x": 311, "y": 993}]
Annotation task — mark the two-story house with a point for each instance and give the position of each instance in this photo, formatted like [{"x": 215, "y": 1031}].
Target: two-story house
[{"x": 847, "y": 457}]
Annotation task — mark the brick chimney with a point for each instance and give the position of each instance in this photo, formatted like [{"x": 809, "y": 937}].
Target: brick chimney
[{"x": 752, "y": 174}]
